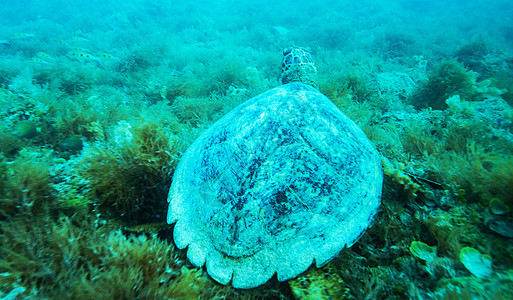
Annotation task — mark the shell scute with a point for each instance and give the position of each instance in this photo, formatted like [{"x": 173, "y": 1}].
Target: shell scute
[{"x": 282, "y": 180}]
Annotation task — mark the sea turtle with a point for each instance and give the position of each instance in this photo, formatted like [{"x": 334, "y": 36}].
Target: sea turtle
[{"x": 282, "y": 181}]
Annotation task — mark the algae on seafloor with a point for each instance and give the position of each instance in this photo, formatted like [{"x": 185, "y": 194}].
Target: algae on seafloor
[
  {"x": 422, "y": 251},
  {"x": 439, "y": 112},
  {"x": 480, "y": 265}
]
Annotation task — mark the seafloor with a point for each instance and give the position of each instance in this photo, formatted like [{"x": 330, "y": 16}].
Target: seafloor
[{"x": 98, "y": 101}]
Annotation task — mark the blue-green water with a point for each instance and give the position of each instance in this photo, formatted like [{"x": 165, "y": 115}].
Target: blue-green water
[{"x": 99, "y": 99}]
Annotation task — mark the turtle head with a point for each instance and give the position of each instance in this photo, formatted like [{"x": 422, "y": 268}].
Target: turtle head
[{"x": 298, "y": 66}]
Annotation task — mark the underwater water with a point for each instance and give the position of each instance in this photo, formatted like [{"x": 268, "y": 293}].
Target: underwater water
[{"x": 100, "y": 99}]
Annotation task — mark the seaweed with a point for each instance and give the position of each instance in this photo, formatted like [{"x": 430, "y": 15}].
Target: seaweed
[
  {"x": 75, "y": 257},
  {"x": 196, "y": 111},
  {"x": 448, "y": 79},
  {"x": 131, "y": 179},
  {"x": 393, "y": 45},
  {"x": 26, "y": 184},
  {"x": 82, "y": 199},
  {"x": 357, "y": 86},
  {"x": 10, "y": 145},
  {"x": 81, "y": 261},
  {"x": 503, "y": 80},
  {"x": 472, "y": 55}
]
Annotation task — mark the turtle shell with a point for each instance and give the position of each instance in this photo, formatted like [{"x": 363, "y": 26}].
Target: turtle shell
[{"x": 282, "y": 181}]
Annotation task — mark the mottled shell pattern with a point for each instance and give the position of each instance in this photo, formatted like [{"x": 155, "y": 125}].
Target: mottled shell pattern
[{"x": 283, "y": 181}]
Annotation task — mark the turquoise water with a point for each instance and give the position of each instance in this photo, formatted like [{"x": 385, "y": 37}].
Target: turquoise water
[{"x": 99, "y": 99}]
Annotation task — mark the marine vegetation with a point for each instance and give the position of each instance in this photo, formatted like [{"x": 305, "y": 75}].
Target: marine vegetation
[
  {"x": 98, "y": 108},
  {"x": 130, "y": 179},
  {"x": 81, "y": 260},
  {"x": 448, "y": 79}
]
